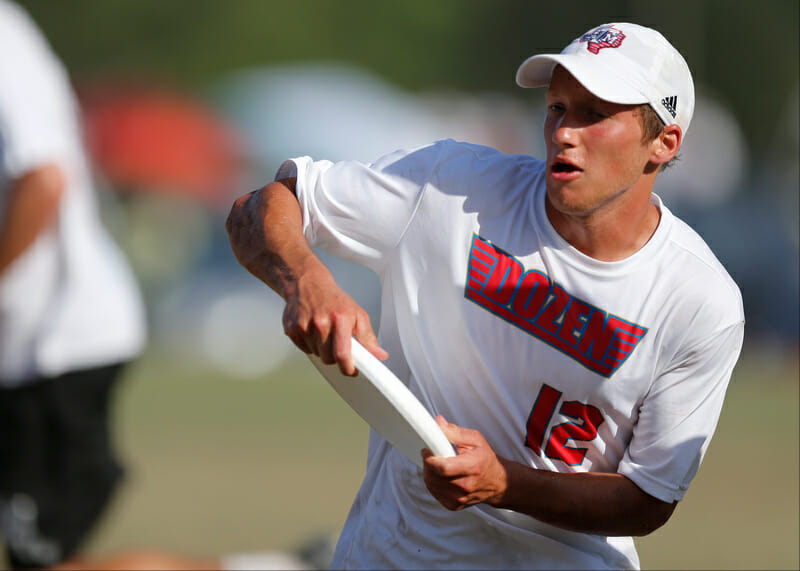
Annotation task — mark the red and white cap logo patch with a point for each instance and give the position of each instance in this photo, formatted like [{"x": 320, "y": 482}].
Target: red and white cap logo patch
[{"x": 602, "y": 37}]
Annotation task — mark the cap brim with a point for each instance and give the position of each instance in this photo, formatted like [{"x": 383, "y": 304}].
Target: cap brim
[{"x": 536, "y": 71}]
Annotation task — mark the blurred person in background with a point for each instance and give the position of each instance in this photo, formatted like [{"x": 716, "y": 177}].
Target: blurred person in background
[{"x": 71, "y": 315}]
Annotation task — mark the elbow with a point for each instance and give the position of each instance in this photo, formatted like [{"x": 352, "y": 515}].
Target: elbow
[
  {"x": 654, "y": 518},
  {"x": 235, "y": 220},
  {"x": 50, "y": 182},
  {"x": 229, "y": 220}
]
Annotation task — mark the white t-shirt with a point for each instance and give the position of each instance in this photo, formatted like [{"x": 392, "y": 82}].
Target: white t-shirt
[
  {"x": 70, "y": 301},
  {"x": 562, "y": 362}
]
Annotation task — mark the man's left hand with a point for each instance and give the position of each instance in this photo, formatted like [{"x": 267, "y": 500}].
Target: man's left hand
[{"x": 475, "y": 475}]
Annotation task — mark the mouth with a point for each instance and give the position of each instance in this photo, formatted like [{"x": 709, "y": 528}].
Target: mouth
[{"x": 564, "y": 170}]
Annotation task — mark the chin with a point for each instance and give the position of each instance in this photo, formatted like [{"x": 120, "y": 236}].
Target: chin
[{"x": 567, "y": 201}]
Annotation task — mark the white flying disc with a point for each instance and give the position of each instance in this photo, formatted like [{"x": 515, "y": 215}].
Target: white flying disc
[{"x": 388, "y": 406}]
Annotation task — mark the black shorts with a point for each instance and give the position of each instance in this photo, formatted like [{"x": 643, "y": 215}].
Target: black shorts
[{"x": 58, "y": 469}]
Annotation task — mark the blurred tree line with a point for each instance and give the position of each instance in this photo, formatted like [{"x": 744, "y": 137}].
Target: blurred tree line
[{"x": 743, "y": 52}]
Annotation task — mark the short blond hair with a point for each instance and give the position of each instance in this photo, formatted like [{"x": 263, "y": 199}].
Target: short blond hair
[{"x": 652, "y": 126}]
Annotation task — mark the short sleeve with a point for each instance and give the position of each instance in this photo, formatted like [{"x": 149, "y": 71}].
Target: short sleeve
[
  {"x": 35, "y": 96},
  {"x": 679, "y": 416},
  {"x": 359, "y": 212}
]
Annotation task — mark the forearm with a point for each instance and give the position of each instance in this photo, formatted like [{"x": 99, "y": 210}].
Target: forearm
[
  {"x": 31, "y": 208},
  {"x": 265, "y": 229},
  {"x": 266, "y": 234},
  {"x": 597, "y": 503}
]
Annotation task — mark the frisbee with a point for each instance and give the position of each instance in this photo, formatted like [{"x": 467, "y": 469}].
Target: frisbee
[{"x": 387, "y": 405}]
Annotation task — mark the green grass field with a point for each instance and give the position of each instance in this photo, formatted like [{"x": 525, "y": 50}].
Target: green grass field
[{"x": 219, "y": 465}]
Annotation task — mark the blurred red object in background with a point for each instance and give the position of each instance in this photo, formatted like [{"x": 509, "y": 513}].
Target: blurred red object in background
[{"x": 152, "y": 140}]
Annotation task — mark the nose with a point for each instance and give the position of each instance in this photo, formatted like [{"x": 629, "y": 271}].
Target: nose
[{"x": 564, "y": 131}]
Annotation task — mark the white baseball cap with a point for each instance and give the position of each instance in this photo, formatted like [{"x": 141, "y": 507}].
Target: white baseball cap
[{"x": 623, "y": 63}]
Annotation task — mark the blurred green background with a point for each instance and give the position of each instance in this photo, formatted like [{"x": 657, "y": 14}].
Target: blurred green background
[{"x": 263, "y": 455}]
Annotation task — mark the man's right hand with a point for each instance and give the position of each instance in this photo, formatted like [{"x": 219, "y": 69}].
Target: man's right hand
[{"x": 320, "y": 318}]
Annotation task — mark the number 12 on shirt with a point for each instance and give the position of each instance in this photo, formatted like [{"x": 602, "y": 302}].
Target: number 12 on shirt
[{"x": 583, "y": 428}]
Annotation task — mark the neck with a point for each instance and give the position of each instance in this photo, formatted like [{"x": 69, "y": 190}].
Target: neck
[{"x": 609, "y": 234}]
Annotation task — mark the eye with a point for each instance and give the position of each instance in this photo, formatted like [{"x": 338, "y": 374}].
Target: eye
[
  {"x": 555, "y": 108},
  {"x": 597, "y": 114}
]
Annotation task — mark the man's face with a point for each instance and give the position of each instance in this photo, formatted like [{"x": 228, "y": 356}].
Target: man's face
[{"x": 595, "y": 149}]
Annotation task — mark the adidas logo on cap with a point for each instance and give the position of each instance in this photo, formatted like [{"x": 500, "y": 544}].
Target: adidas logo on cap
[{"x": 670, "y": 104}]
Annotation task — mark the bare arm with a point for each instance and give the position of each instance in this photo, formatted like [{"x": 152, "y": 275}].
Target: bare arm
[
  {"x": 597, "y": 503},
  {"x": 265, "y": 229},
  {"x": 31, "y": 208}
]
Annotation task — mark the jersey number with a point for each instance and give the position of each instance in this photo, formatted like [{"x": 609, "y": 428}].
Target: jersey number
[{"x": 587, "y": 419}]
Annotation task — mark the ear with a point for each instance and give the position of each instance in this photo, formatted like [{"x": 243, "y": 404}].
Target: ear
[{"x": 666, "y": 145}]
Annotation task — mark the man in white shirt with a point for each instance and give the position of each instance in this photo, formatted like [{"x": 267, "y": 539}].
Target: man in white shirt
[
  {"x": 70, "y": 311},
  {"x": 575, "y": 338}
]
